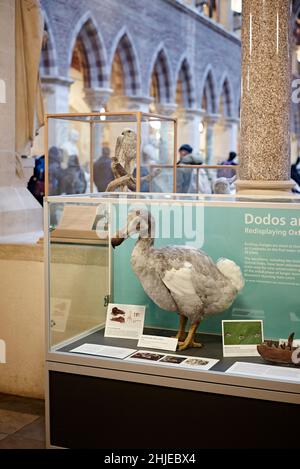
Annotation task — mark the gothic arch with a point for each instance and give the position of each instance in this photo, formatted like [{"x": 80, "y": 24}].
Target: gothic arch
[
  {"x": 86, "y": 34},
  {"x": 124, "y": 48},
  {"x": 48, "y": 61},
  {"x": 225, "y": 101},
  {"x": 208, "y": 91},
  {"x": 160, "y": 76},
  {"x": 186, "y": 83}
]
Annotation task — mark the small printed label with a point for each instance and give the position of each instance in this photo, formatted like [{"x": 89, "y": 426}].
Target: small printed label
[{"x": 158, "y": 342}]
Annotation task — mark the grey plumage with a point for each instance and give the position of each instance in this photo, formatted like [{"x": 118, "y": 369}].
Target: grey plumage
[{"x": 180, "y": 278}]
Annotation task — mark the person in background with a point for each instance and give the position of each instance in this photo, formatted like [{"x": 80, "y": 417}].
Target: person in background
[
  {"x": 55, "y": 171},
  {"x": 74, "y": 181},
  {"x": 103, "y": 174},
  {"x": 184, "y": 176},
  {"x": 295, "y": 175},
  {"x": 230, "y": 172},
  {"x": 36, "y": 184}
]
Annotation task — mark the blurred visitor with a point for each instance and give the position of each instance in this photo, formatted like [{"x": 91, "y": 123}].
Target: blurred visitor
[
  {"x": 103, "y": 174},
  {"x": 228, "y": 172},
  {"x": 36, "y": 184},
  {"x": 55, "y": 171},
  {"x": 295, "y": 175},
  {"x": 184, "y": 176},
  {"x": 74, "y": 181}
]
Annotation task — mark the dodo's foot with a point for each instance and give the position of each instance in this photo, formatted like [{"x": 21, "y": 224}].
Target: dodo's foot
[
  {"x": 180, "y": 336},
  {"x": 191, "y": 344}
]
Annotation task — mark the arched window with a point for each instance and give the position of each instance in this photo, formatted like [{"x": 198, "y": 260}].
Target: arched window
[
  {"x": 160, "y": 87},
  {"x": 125, "y": 75},
  {"x": 185, "y": 93}
]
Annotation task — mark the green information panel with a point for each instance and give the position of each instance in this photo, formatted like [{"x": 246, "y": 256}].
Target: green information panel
[{"x": 263, "y": 240}]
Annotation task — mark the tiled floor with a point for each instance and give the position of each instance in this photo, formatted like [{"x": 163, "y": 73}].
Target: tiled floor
[{"x": 22, "y": 423}]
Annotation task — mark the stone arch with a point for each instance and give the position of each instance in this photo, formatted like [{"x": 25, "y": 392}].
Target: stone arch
[
  {"x": 48, "y": 61},
  {"x": 225, "y": 101},
  {"x": 185, "y": 84},
  {"x": 161, "y": 78},
  {"x": 87, "y": 38},
  {"x": 125, "y": 51},
  {"x": 208, "y": 91}
]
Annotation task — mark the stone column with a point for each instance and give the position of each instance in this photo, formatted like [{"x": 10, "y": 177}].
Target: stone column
[
  {"x": 188, "y": 128},
  {"x": 266, "y": 88},
  {"x": 210, "y": 120},
  {"x": 225, "y": 137},
  {"x": 129, "y": 103},
  {"x": 56, "y": 100},
  {"x": 225, "y": 14},
  {"x": 96, "y": 100},
  {"x": 166, "y": 150}
]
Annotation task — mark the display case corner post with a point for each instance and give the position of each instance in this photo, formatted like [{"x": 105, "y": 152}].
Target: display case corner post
[
  {"x": 92, "y": 149},
  {"x": 138, "y": 151},
  {"x": 46, "y": 273},
  {"x": 46, "y": 144},
  {"x": 175, "y": 157}
]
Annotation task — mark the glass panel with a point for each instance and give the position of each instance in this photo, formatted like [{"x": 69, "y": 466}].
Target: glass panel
[
  {"x": 104, "y": 148},
  {"x": 79, "y": 269},
  {"x": 261, "y": 245}
]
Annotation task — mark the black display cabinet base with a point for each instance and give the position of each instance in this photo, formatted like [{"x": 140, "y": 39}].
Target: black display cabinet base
[{"x": 92, "y": 412}]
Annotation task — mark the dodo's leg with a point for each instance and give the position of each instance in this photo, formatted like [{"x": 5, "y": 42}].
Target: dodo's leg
[
  {"x": 181, "y": 332},
  {"x": 189, "y": 341}
]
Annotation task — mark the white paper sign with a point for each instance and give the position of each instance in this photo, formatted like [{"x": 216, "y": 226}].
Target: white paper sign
[
  {"x": 159, "y": 342},
  {"x": 104, "y": 350},
  {"x": 77, "y": 217},
  {"x": 59, "y": 313},
  {"x": 240, "y": 338},
  {"x": 265, "y": 371},
  {"x": 124, "y": 321}
]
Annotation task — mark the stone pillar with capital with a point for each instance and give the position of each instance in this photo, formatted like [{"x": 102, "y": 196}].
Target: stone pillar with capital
[
  {"x": 96, "y": 99},
  {"x": 166, "y": 150},
  {"x": 265, "y": 106},
  {"x": 225, "y": 137},
  {"x": 210, "y": 121},
  {"x": 188, "y": 127},
  {"x": 225, "y": 14},
  {"x": 55, "y": 90}
]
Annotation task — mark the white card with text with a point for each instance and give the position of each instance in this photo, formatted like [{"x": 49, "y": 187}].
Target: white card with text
[
  {"x": 158, "y": 342},
  {"x": 124, "y": 321}
]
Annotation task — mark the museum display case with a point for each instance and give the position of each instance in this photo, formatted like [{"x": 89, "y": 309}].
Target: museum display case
[
  {"x": 106, "y": 151},
  {"x": 135, "y": 281}
]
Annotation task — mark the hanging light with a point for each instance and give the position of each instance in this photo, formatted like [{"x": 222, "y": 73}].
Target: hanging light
[{"x": 236, "y": 6}]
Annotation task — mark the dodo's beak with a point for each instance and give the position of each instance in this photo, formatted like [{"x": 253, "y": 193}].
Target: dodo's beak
[{"x": 118, "y": 238}]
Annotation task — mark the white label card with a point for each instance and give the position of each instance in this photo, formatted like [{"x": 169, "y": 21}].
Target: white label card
[
  {"x": 124, "y": 321},
  {"x": 104, "y": 350},
  {"x": 265, "y": 371},
  {"x": 158, "y": 342}
]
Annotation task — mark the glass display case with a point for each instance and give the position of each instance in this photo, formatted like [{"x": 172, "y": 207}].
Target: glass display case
[
  {"x": 97, "y": 152},
  {"x": 135, "y": 282}
]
